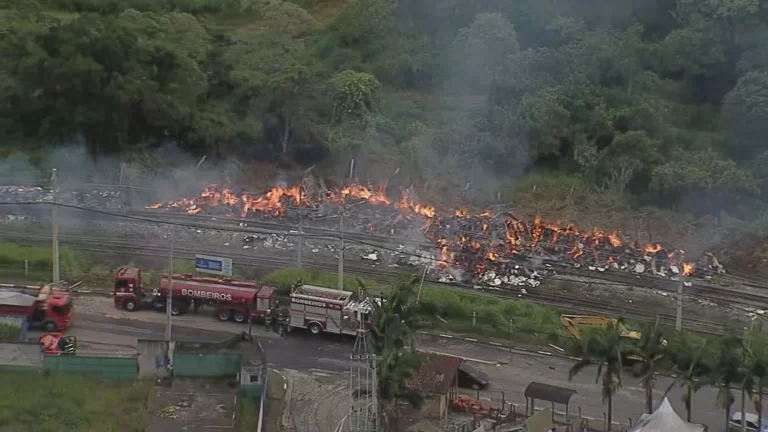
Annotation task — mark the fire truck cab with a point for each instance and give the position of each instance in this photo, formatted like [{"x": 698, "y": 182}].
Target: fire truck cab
[
  {"x": 328, "y": 310},
  {"x": 129, "y": 293},
  {"x": 42, "y": 305}
]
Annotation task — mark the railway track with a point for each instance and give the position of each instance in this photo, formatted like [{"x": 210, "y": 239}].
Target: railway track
[{"x": 561, "y": 301}]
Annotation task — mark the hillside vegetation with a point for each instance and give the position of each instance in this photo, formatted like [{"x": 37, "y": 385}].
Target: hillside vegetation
[{"x": 661, "y": 102}]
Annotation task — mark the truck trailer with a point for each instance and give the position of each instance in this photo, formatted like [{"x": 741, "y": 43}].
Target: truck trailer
[
  {"x": 328, "y": 310},
  {"x": 42, "y": 306},
  {"x": 231, "y": 299}
]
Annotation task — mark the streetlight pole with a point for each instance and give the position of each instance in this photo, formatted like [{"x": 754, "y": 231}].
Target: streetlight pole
[
  {"x": 169, "y": 304},
  {"x": 55, "y": 222}
]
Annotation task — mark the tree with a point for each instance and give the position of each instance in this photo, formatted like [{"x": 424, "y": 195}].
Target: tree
[
  {"x": 482, "y": 47},
  {"x": 758, "y": 367},
  {"x": 394, "y": 320},
  {"x": 603, "y": 348},
  {"x": 727, "y": 371},
  {"x": 651, "y": 348},
  {"x": 687, "y": 354}
]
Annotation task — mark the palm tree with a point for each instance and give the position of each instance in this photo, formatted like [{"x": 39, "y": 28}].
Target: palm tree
[
  {"x": 391, "y": 337},
  {"x": 651, "y": 349},
  {"x": 757, "y": 364},
  {"x": 603, "y": 348},
  {"x": 728, "y": 370},
  {"x": 686, "y": 352}
]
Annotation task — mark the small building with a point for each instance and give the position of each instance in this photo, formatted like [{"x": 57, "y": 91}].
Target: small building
[{"x": 437, "y": 379}]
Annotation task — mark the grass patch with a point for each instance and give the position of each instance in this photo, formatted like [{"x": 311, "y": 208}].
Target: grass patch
[
  {"x": 249, "y": 415},
  {"x": 9, "y": 332},
  {"x": 493, "y": 317},
  {"x": 71, "y": 403},
  {"x": 36, "y": 262}
]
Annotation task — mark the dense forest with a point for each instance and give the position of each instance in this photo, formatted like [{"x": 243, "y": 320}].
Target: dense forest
[{"x": 663, "y": 101}]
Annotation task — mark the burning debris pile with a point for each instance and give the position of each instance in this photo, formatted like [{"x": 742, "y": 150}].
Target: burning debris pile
[{"x": 497, "y": 249}]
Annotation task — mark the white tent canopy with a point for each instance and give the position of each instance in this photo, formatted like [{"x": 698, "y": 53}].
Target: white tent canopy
[{"x": 664, "y": 419}]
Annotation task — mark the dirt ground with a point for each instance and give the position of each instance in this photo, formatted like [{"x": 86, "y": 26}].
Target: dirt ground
[
  {"x": 194, "y": 405},
  {"x": 316, "y": 401}
]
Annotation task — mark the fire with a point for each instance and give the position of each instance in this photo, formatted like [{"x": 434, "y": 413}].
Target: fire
[
  {"x": 652, "y": 249},
  {"x": 688, "y": 269},
  {"x": 481, "y": 246}
]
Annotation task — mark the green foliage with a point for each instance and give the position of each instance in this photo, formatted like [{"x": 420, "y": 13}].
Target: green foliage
[
  {"x": 72, "y": 403},
  {"x": 9, "y": 332},
  {"x": 665, "y": 101},
  {"x": 73, "y": 264}
]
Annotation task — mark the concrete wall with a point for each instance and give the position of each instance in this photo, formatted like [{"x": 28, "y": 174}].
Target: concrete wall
[
  {"x": 206, "y": 364},
  {"x": 153, "y": 358},
  {"x": 104, "y": 367}
]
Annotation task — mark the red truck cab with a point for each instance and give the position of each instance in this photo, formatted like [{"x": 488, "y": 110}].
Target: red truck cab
[
  {"x": 128, "y": 292},
  {"x": 42, "y": 305}
]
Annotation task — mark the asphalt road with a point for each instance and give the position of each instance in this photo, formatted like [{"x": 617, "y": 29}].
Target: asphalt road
[{"x": 510, "y": 372}]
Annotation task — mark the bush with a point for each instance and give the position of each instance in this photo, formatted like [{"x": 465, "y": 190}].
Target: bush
[
  {"x": 9, "y": 332},
  {"x": 283, "y": 279}
]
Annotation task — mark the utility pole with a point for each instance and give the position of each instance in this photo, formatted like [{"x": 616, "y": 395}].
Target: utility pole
[
  {"x": 300, "y": 246},
  {"x": 679, "y": 317},
  {"x": 169, "y": 304},
  {"x": 341, "y": 250},
  {"x": 421, "y": 285},
  {"x": 55, "y": 222}
]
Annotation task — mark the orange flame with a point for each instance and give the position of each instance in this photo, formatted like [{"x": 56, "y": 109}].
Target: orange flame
[
  {"x": 688, "y": 268},
  {"x": 652, "y": 249},
  {"x": 539, "y": 235}
]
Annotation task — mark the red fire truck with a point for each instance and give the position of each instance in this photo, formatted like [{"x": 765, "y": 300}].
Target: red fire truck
[
  {"x": 231, "y": 299},
  {"x": 42, "y": 306},
  {"x": 327, "y": 310}
]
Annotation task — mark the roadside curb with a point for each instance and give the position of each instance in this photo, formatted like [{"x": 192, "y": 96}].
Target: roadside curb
[
  {"x": 500, "y": 346},
  {"x": 288, "y": 386}
]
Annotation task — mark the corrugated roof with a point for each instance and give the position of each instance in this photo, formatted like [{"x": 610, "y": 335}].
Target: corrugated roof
[{"x": 436, "y": 374}]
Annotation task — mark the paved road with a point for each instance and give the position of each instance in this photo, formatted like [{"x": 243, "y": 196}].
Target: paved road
[{"x": 511, "y": 372}]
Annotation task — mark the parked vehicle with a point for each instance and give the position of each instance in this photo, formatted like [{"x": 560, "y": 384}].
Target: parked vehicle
[
  {"x": 472, "y": 378},
  {"x": 327, "y": 310},
  {"x": 734, "y": 424},
  {"x": 42, "y": 305},
  {"x": 231, "y": 299}
]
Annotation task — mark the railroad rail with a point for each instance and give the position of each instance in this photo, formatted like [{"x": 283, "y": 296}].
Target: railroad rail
[{"x": 539, "y": 295}]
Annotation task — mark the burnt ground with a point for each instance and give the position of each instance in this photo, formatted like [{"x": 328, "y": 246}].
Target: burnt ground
[{"x": 194, "y": 405}]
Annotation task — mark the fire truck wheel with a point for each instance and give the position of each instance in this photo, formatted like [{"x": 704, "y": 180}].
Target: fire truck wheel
[
  {"x": 315, "y": 328},
  {"x": 50, "y": 326},
  {"x": 130, "y": 305},
  {"x": 224, "y": 314},
  {"x": 239, "y": 317}
]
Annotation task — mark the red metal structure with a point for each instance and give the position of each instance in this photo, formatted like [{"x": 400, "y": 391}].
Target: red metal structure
[
  {"x": 43, "y": 306},
  {"x": 232, "y": 299}
]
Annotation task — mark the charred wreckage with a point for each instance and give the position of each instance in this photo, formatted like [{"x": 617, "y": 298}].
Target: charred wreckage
[{"x": 495, "y": 249}]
